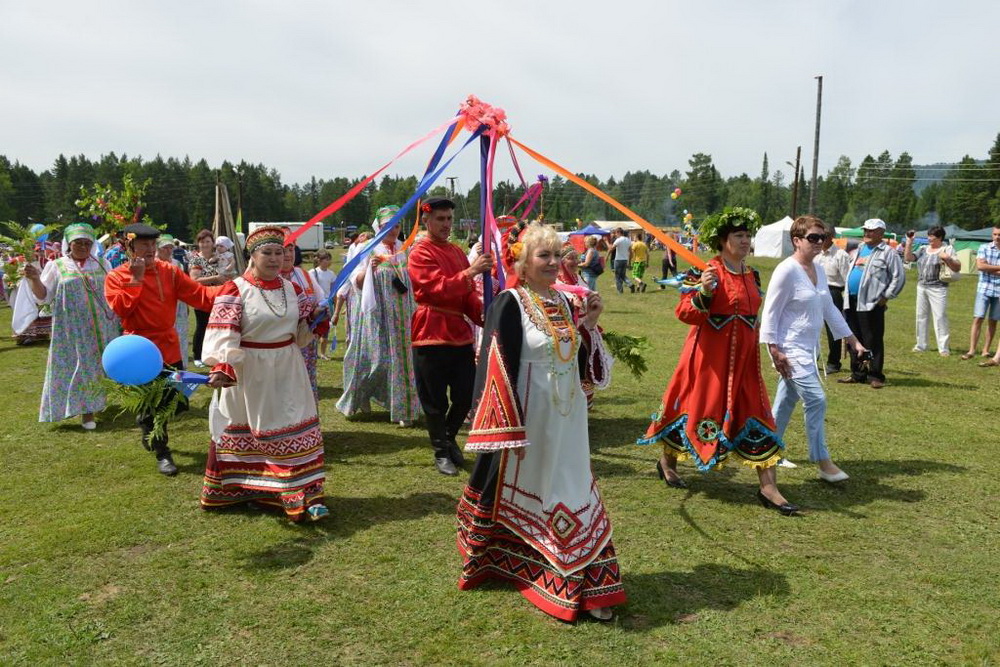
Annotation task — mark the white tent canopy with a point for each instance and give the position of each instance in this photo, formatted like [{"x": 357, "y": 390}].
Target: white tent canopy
[{"x": 772, "y": 240}]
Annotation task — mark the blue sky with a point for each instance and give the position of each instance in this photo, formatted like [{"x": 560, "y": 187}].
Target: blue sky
[{"x": 336, "y": 88}]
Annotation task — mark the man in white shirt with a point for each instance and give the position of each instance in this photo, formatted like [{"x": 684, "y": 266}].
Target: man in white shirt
[
  {"x": 623, "y": 248},
  {"x": 836, "y": 265}
]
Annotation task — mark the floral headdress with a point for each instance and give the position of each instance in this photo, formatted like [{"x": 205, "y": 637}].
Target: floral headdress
[
  {"x": 265, "y": 236},
  {"x": 512, "y": 249},
  {"x": 713, "y": 228}
]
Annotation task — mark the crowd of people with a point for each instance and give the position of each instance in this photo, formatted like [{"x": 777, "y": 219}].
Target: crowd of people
[{"x": 518, "y": 364}]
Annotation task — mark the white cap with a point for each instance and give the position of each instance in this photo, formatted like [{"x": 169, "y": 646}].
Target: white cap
[{"x": 873, "y": 223}]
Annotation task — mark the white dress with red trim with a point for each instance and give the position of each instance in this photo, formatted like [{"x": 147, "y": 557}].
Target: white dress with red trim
[
  {"x": 532, "y": 513},
  {"x": 266, "y": 443}
]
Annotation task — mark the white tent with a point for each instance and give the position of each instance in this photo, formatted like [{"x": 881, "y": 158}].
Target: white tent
[{"x": 772, "y": 240}]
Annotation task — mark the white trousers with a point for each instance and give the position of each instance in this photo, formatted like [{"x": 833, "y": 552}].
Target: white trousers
[{"x": 932, "y": 304}]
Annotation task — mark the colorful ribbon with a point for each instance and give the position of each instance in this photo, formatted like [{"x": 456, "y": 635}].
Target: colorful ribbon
[
  {"x": 389, "y": 226},
  {"x": 656, "y": 232},
  {"x": 353, "y": 192}
]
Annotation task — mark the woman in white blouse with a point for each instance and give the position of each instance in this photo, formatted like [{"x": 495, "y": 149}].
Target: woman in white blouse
[{"x": 797, "y": 302}]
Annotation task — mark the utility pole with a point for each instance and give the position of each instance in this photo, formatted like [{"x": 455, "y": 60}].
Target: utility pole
[
  {"x": 451, "y": 183},
  {"x": 819, "y": 106},
  {"x": 795, "y": 183}
]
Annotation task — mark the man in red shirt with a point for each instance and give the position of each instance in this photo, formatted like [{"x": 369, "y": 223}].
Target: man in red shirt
[
  {"x": 144, "y": 293},
  {"x": 443, "y": 355}
]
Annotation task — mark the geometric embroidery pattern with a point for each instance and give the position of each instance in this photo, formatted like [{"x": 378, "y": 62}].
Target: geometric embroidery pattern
[{"x": 497, "y": 423}]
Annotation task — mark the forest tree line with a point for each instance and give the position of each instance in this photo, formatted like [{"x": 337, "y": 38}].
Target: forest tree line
[{"x": 181, "y": 192}]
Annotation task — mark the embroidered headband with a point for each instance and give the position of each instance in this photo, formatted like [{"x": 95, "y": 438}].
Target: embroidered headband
[{"x": 265, "y": 236}]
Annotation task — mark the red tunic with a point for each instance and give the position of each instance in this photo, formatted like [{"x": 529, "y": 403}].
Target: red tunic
[
  {"x": 149, "y": 309},
  {"x": 445, "y": 293},
  {"x": 716, "y": 402}
]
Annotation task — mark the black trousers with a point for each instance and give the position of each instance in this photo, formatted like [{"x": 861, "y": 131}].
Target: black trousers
[
  {"x": 444, "y": 374},
  {"x": 834, "y": 345},
  {"x": 869, "y": 327},
  {"x": 668, "y": 266},
  {"x": 160, "y": 445},
  {"x": 200, "y": 324}
]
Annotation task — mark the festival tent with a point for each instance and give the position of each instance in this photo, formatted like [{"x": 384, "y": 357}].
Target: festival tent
[
  {"x": 627, "y": 225},
  {"x": 772, "y": 240},
  {"x": 590, "y": 229},
  {"x": 577, "y": 238}
]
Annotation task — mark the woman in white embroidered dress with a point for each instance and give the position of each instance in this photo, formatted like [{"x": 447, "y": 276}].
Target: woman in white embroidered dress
[
  {"x": 531, "y": 513},
  {"x": 795, "y": 306},
  {"x": 266, "y": 443}
]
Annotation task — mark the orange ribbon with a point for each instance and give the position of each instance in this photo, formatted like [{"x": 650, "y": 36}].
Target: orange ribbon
[{"x": 656, "y": 232}]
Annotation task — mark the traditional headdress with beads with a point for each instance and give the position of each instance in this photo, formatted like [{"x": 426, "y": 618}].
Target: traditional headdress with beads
[{"x": 265, "y": 236}]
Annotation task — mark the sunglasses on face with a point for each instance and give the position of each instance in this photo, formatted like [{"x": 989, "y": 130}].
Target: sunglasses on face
[{"x": 815, "y": 238}]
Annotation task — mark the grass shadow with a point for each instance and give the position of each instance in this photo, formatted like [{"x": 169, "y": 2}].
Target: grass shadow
[
  {"x": 332, "y": 393},
  {"x": 349, "y": 444},
  {"x": 893, "y": 381},
  {"x": 864, "y": 487},
  {"x": 347, "y": 516},
  {"x": 669, "y": 598}
]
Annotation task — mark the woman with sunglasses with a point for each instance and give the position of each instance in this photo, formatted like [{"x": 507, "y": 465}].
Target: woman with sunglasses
[{"x": 795, "y": 306}]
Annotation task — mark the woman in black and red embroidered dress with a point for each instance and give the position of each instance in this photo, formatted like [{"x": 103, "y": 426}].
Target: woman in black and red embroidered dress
[
  {"x": 531, "y": 513},
  {"x": 266, "y": 444}
]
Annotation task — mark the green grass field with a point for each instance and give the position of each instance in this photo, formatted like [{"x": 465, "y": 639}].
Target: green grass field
[{"x": 102, "y": 560}]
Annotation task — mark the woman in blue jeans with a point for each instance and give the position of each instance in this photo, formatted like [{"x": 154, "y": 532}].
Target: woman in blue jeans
[
  {"x": 795, "y": 306},
  {"x": 591, "y": 266}
]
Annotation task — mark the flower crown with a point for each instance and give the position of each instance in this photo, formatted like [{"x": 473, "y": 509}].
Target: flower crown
[{"x": 732, "y": 218}]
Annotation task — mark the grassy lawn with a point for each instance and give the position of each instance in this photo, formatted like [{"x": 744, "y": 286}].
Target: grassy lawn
[{"x": 102, "y": 560}]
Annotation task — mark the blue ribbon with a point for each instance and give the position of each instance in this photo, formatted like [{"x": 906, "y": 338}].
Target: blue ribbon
[{"x": 389, "y": 226}]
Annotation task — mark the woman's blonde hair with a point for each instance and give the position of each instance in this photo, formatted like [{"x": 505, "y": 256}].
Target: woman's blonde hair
[
  {"x": 591, "y": 241},
  {"x": 535, "y": 235}
]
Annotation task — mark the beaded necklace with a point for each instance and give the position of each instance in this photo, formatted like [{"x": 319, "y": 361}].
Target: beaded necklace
[
  {"x": 553, "y": 332},
  {"x": 255, "y": 281}
]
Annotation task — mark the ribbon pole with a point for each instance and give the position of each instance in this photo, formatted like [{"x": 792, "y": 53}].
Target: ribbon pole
[{"x": 485, "y": 236}]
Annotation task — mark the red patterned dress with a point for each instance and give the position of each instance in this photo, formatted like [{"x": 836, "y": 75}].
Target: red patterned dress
[
  {"x": 531, "y": 513},
  {"x": 716, "y": 403},
  {"x": 266, "y": 443}
]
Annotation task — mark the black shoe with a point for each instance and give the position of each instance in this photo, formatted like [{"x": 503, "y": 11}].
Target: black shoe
[
  {"x": 445, "y": 466},
  {"x": 455, "y": 453},
  {"x": 831, "y": 369},
  {"x": 631, "y": 288},
  {"x": 642, "y": 288},
  {"x": 165, "y": 464},
  {"x": 787, "y": 509},
  {"x": 672, "y": 483}
]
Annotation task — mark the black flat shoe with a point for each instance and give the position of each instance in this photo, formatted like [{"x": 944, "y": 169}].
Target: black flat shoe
[
  {"x": 787, "y": 509},
  {"x": 672, "y": 483}
]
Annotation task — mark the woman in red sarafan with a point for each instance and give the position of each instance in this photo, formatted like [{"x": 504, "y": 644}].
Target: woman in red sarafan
[{"x": 716, "y": 404}]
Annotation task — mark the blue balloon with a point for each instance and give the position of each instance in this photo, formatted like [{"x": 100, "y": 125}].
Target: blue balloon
[
  {"x": 132, "y": 360},
  {"x": 35, "y": 228}
]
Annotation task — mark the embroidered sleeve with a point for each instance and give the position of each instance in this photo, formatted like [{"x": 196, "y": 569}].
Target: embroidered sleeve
[
  {"x": 223, "y": 333},
  {"x": 694, "y": 304}
]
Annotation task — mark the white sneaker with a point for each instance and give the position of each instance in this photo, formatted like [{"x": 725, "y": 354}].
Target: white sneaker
[
  {"x": 785, "y": 463},
  {"x": 89, "y": 425},
  {"x": 198, "y": 364},
  {"x": 917, "y": 348}
]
